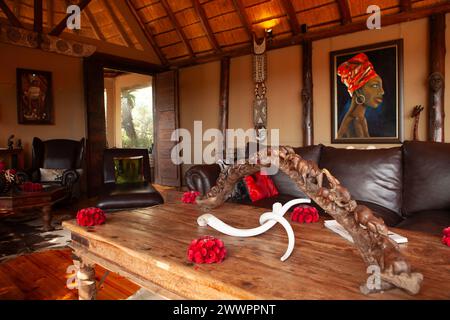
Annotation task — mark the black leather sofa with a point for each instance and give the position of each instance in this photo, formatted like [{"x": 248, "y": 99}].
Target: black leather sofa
[
  {"x": 126, "y": 196},
  {"x": 407, "y": 186}
]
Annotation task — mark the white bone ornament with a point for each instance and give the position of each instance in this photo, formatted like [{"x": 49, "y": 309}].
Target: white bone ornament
[{"x": 267, "y": 220}]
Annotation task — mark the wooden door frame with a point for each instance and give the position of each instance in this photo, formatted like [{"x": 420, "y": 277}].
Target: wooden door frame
[{"x": 93, "y": 68}]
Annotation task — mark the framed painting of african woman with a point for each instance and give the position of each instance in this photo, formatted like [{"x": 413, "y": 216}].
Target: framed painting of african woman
[
  {"x": 34, "y": 97},
  {"x": 367, "y": 94}
]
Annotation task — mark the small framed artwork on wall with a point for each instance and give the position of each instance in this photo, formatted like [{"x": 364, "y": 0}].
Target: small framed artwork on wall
[
  {"x": 367, "y": 94},
  {"x": 34, "y": 97}
]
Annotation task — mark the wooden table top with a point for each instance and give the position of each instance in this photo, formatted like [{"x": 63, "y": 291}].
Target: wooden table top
[{"x": 152, "y": 243}]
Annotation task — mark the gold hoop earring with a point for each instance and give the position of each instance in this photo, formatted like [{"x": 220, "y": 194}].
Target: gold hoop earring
[{"x": 359, "y": 101}]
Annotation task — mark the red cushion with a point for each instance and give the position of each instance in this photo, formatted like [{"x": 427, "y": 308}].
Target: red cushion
[{"x": 260, "y": 187}]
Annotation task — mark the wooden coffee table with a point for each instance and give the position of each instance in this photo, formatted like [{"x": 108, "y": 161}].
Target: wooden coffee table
[
  {"x": 149, "y": 246},
  {"x": 20, "y": 201}
]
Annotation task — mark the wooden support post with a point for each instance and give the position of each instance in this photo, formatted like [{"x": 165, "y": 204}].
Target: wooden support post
[
  {"x": 224, "y": 96},
  {"x": 307, "y": 95},
  {"x": 38, "y": 16},
  {"x": 437, "y": 78}
]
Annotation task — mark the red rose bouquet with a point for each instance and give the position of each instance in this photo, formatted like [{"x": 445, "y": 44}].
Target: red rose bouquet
[
  {"x": 446, "y": 238},
  {"x": 190, "y": 196},
  {"x": 2, "y": 166},
  {"x": 90, "y": 217},
  {"x": 206, "y": 250},
  {"x": 305, "y": 215}
]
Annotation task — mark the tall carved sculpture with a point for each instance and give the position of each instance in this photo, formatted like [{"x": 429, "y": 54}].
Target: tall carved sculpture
[
  {"x": 369, "y": 233},
  {"x": 436, "y": 83},
  {"x": 259, "y": 77}
]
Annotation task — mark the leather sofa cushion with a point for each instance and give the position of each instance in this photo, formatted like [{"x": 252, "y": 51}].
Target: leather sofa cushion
[
  {"x": 432, "y": 221},
  {"x": 282, "y": 181},
  {"x": 117, "y": 197},
  {"x": 370, "y": 175},
  {"x": 426, "y": 177}
]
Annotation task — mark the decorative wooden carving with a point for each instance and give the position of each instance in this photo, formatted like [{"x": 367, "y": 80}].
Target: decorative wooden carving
[
  {"x": 307, "y": 95},
  {"x": 259, "y": 77},
  {"x": 416, "y": 115},
  {"x": 369, "y": 233},
  {"x": 31, "y": 39},
  {"x": 437, "y": 78}
]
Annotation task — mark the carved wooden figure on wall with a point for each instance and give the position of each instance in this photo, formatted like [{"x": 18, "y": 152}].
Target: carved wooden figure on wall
[
  {"x": 259, "y": 77},
  {"x": 369, "y": 233},
  {"x": 417, "y": 111}
]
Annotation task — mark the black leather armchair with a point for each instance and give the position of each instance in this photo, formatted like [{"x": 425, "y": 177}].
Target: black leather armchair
[
  {"x": 56, "y": 154},
  {"x": 127, "y": 196}
]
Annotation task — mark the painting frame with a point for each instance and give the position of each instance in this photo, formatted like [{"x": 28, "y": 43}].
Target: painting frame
[
  {"x": 34, "y": 102},
  {"x": 394, "y": 116}
]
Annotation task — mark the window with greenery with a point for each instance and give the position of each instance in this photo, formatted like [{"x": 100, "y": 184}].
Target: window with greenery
[{"x": 137, "y": 118}]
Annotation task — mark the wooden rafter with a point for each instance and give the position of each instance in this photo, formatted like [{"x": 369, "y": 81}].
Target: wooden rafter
[
  {"x": 388, "y": 20},
  {"x": 405, "y": 5},
  {"x": 118, "y": 24},
  {"x": 293, "y": 21},
  {"x": 147, "y": 34},
  {"x": 16, "y": 8},
  {"x": 50, "y": 10},
  {"x": 63, "y": 24},
  {"x": 240, "y": 9},
  {"x": 38, "y": 16},
  {"x": 344, "y": 9},
  {"x": 205, "y": 24},
  {"x": 94, "y": 24},
  {"x": 178, "y": 28},
  {"x": 11, "y": 16}
]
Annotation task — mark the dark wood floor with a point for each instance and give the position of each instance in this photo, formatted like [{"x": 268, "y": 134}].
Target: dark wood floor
[{"x": 42, "y": 276}]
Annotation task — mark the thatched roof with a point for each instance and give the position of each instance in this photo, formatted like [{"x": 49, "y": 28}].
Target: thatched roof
[{"x": 187, "y": 31}]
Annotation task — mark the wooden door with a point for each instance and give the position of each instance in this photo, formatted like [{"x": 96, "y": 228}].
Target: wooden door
[{"x": 166, "y": 121}]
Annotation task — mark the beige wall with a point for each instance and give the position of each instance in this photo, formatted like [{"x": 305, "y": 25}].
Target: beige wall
[
  {"x": 68, "y": 96},
  {"x": 200, "y": 85},
  {"x": 199, "y": 97}
]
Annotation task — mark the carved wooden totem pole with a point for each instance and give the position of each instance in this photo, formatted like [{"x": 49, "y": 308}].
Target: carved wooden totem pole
[{"x": 259, "y": 77}]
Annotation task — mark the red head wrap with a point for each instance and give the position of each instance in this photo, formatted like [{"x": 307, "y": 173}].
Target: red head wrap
[{"x": 356, "y": 72}]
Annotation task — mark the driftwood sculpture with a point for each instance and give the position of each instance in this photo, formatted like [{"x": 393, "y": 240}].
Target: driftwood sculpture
[{"x": 369, "y": 233}]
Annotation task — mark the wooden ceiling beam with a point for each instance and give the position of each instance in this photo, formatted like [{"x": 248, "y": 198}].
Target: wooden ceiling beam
[
  {"x": 62, "y": 25},
  {"x": 344, "y": 9},
  {"x": 38, "y": 16},
  {"x": 11, "y": 16},
  {"x": 178, "y": 28},
  {"x": 98, "y": 32},
  {"x": 148, "y": 35},
  {"x": 206, "y": 26},
  {"x": 118, "y": 24},
  {"x": 50, "y": 9},
  {"x": 16, "y": 8},
  {"x": 240, "y": 9},
  {"x": 292, "y": 16},
  {"x": 388, "y": 20},
  {"x": 405, "y": 5}
]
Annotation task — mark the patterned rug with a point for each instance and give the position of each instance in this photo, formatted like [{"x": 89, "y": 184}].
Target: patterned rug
[{"x": 22, "y": 234}]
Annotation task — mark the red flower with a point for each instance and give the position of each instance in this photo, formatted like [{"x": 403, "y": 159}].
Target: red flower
[
  {"x": 2, "y": 166},
  {"x": 206, "y": 250},
  {"x": 190, "y": 196},
  {"x": 305, "y": 215},
  {"x": 446, "y": 238},
  {"x": 91, "y": 217}
]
